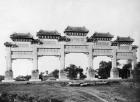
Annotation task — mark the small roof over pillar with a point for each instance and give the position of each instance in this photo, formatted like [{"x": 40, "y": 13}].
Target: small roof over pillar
[
  {"x": 36, "y": 41},
  {"x": 64, "y": 38},
  {"x": 134, "y": 47},
  {"x": 10, "y": 44}
]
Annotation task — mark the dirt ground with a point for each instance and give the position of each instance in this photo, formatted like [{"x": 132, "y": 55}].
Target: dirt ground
[{"x": 114, "y": 92}]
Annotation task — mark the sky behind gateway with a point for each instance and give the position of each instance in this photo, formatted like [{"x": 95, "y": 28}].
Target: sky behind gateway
[{"x": 119, "y": 17}]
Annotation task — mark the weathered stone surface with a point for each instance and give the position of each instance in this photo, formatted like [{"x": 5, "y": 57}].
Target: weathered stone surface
[
  {"x": 8, "y": 76},
  {"x": 114, "y": 74},
  {"x": 35, "y": 76},
  {"x": 75, "y": 41},
  {"x": 63, "y": 75},
  {"x": 90, "y": 74}
]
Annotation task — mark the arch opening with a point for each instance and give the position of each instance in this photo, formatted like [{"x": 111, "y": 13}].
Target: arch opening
[
  {"x": 48, "y": 63},
  {"x": 21, "y": 67},
  {"x": 78, "y": 59}
]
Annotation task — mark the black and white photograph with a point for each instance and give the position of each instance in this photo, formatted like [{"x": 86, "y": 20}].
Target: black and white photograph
[{"x": 69, "y": 50}]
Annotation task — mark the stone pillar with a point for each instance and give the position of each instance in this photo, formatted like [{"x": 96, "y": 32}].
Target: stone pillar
[
  {"x": 35, "y": 71},
  {"x": 8, "y": 72},
  {"x": 133, "y": 63},
  {"x": 62, "y": 74},
  {"x": 90, "y": 70},
  {"x": 114, "y": 73}
]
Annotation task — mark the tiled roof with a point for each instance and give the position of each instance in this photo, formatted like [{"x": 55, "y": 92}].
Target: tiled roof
[
  {"x": 134, "y": 46},
  {"x": 114, "y": 43},
  {"x": 89, "y": 39},
  {"x": 76, "y": 29},
  {"x": 36, "y": 41},
  {"x": 124, "y": 39},
  {"x": 21, "y": 36},
  {"x": 63, "y": 38},
  {"x": 102, "y": 35},
  {"x": 45, "y": 33},
  {"x": 9, "y": 44}
]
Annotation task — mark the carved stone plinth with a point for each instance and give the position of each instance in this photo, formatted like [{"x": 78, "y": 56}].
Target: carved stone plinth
[
  {"x": 8, "y": 76},
  {"x": 35, "y": 76},
  {"x": 90, "y": 74},
  {"x": 62, "y": 75},
  {"x": 114, "y": 74}
]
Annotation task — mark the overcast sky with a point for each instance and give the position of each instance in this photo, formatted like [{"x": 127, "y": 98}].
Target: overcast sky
[{"x": 119, "y": 17}]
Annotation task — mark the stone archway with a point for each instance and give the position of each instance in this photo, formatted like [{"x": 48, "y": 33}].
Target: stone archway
[{"x": 52, "y": 43}]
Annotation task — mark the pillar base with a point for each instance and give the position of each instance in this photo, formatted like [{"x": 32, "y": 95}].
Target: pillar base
[
  {"x": 91, "y": 74},
  {"x": 8, "y": 76},
  {"x": 114, "y": 74},
  {"x": 35, "y": 76},
  {"x": 62, "y": 76}
]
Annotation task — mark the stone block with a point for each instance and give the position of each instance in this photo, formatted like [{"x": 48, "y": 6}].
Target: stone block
[
  {"x": 8, "y": 76},
  {"x": 63, "y": 75},
  {"x": 91, "y": 74},
  {"x": 114, "y": 74},
  {"x": 35, "y": 75}
]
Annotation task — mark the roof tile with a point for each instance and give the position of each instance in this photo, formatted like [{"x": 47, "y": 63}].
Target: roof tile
[{"x": 76, "y": 29}]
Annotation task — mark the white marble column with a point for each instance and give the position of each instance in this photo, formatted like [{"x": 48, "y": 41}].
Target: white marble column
[
  {"x": 62, "y": 58},
  {"x": 62, "y": 75},
  {"x": 8, "y": 59},
  {"x": 114, "y": 73},
  {"x": 8, "y": 72},
  {"x": 133, "y": 63},
  {"x": 35, "y": 71},
  {"x": 90, "y": 59},
  {"x": 90, "y": 70},
  {"x": 35, "y": 59}
]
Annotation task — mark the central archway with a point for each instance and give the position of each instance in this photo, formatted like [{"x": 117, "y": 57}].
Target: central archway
[
  {"x": 98, "y": 59},
  {"x": 78, "y": 59},
  {"x": 101, "y": 71},
  {"x": 48, "y": 63}
]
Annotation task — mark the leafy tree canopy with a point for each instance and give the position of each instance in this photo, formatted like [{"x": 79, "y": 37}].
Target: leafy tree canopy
[
  {"x": 73, "y": 71},
  {"x": 104, "y": 69}
]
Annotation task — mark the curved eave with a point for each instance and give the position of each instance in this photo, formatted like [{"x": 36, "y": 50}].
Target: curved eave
[
  {"x": 134, "y": 46},
  {"x": 102, "y": 37},
  {"x": 9, "y": 44},
  {"x": 76, "y": 29},
  {"x": 113, "y": 43},
  {"x": 63, "y": 38},
  {"x": 120, "y": 42},
  {"x": 124, "y": 39},
  {"x": 21, "y": 35},
  {"x": 47, "y": 34},
  {"x": 36, "y": 41}
]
